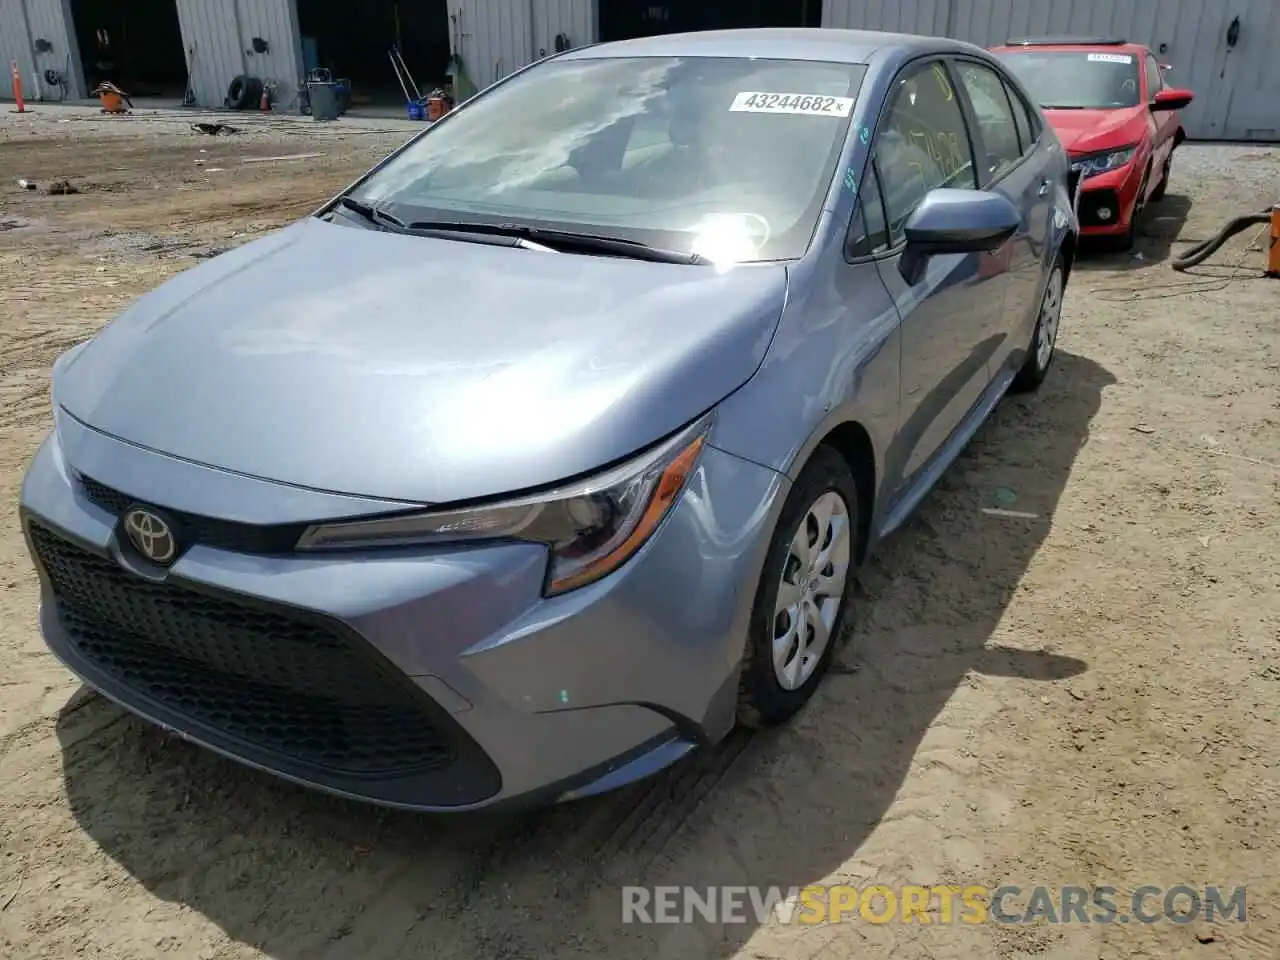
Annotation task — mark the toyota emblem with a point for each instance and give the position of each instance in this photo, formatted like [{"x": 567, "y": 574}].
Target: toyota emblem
[{"x": 150, "y": 534}]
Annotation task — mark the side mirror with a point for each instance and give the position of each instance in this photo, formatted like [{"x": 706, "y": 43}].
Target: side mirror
[
  {"x": 1171, "y": 99},
  {"x": 955, "y": 221}
]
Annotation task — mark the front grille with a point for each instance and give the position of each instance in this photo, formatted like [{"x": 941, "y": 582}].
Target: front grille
[
  {"x": 192, "y": 528},
  {"x": 284, "y": 684}
]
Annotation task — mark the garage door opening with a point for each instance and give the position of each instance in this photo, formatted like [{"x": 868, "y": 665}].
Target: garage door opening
[
  {"x": 626, "y": 19},
  {"x": 352, "y": 40},
  {"x": 135, "y": 45}
]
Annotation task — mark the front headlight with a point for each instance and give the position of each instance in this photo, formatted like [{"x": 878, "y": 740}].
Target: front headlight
[
  {"x": 591, "y": 527},
  {"x": 1097, "y": 163}
]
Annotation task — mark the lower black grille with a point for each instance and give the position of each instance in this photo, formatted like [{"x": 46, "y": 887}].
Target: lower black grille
[
  {"x": 1093, "y": 201},
  {"x": 192, "y": 528},
  {"x": 295, "y": 688}
]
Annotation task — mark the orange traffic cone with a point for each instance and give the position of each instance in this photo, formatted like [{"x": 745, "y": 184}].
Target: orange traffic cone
[
  {"x": 265, "y": 103},
  {"x": 17, "y": 88}
]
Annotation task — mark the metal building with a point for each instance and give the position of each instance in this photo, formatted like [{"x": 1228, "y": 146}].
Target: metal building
[
  {"x": 38, "y": 36},
  {"x": 493, "y": 37},
  {"x": 218, "y": 39},
  {"x": 496, "y": 37},
  {"x": 1224, "y": 51},
  {"x": 1218, "y": 48}
]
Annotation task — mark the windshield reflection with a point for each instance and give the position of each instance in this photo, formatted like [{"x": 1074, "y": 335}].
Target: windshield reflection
[{"x": 673, "y": 152}]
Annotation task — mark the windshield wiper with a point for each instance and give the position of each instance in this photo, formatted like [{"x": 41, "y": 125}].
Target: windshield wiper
[
  {"x": 381, "y": 218},
  {"x": 1062, "y": 106},
  {"x": 371, "y": 213},
  {"x": 633, "y": 249}
]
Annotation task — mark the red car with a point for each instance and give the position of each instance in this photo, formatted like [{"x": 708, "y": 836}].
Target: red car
[{"x": 1110, "y": 105}]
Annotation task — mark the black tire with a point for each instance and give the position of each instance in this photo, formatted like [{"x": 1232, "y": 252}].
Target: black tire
[
  {"x": 244, "y": 92},
  {"x": 1126, "y": 241},
  {"x": 1034, "y": 369},
  {"x": 1158, "y": 193},
  {"x": 762, "y": 700}
]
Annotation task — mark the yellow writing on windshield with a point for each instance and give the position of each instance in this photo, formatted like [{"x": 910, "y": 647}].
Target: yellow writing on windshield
[
  {"x": 942, "y": 148},
  {"x": 944, "y": 83}
]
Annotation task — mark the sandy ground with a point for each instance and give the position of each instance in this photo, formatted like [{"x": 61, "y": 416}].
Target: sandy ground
[{"x": 1086, "y": 697}]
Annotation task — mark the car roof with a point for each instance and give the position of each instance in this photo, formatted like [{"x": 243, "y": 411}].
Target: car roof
[
  {"x": 1065, "y": 43},
  {"x": 780, "y": 43}
]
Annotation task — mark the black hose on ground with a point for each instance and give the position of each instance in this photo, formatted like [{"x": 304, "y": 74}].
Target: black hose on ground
[{"x": 1203, "y": 251}]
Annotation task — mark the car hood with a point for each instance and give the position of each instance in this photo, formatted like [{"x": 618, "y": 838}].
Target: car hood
[
  {"x": 416, "y": 369},
  {"x": 1091, "y": 131}
]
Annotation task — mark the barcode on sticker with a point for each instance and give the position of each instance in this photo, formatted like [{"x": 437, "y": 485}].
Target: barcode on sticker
[
  {"x": 1110, "y": 58},
  {"x": 752, "y": 101}
]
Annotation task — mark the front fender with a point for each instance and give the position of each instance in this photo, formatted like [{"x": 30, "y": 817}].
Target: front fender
[{"x": 834, "y": 360}]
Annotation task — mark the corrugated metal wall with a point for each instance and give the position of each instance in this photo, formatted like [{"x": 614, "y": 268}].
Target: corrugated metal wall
[
  {"x": 493, "y": 37},
  {"x": 576, "y": 19},
  {"x": 1187, "y": 34},
  {"x": 1244, "y": 100},
  {"x": 496, "y": 37},
  {"x": 22, "y": 23},
  {"x": 218, "y": 38},
  {"x": 904, "y": 16}
]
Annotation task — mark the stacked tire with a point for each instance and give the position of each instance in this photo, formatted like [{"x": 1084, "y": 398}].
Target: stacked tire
[{"x": 244, "y": 93}]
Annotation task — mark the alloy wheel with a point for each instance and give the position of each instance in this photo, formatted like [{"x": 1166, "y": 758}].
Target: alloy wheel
[
  {"x": 1050, "y": 314},
  {"x": 811, "y": 590}
]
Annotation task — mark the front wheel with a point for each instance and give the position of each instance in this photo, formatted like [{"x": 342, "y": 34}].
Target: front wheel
[
  {"x": 803, "y": 594},
  {"x": 1044, "y": 339},
  {"x": 1126, "y": 240},
  {"x": 1158, "y": 193}
]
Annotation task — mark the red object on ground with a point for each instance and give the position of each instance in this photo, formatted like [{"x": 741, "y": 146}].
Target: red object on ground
[
  {"x": 264, "y": 103},
  {"x": 17, "y": 88},
  {"x": 1273, "y": 251},
  {"x": 1110, "y": 104}
]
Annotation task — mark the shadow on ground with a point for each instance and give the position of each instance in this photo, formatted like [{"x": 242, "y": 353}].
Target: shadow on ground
[
  {"x": 303, "y": 876},
  {"x": 1159, "y": 227}
]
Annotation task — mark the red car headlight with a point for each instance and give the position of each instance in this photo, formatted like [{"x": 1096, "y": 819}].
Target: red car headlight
[{"x": 1102, "y": 162}]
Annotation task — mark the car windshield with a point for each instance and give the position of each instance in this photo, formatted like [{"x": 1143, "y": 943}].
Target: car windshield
[
  {"x": 726, "y": 157},
  {"x": 1077, "y": 79}
]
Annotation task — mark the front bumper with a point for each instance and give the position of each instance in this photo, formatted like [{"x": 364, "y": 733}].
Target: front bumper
[
  {"x": 421, "y": 679},
  {"x": 1115, "y": 192}
]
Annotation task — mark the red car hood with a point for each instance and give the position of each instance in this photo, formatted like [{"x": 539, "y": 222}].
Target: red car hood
[{"x": 1091, "y": 131}]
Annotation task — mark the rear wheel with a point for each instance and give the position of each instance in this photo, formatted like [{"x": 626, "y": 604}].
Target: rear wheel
[
  {"x": 1044, "y": 340},
  {"x": 803, "y": 594}
]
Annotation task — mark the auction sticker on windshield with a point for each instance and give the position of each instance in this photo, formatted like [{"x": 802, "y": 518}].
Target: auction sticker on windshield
[
  {"x": 1110, "y": 58},
  {"x": 751, "y": 101}
]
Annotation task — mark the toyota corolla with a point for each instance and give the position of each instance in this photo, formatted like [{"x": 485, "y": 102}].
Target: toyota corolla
[{"x": 548, "y": 450}]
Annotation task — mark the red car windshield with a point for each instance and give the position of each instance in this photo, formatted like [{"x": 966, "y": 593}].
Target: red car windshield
[{"x": 1077, "y": 79}]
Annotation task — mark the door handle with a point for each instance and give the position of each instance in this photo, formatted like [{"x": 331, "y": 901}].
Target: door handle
[{"x": 1044, "y": 187}]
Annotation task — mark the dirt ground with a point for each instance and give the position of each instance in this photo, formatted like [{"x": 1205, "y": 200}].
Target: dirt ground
[{"x": 1087, "y": 695}]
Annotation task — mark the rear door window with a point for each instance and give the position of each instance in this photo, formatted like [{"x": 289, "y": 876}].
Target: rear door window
[
  {"x": 1028, "y": 131},
  {"x": 997, "y": 125},
  {"x": 923, "y": 143}
]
